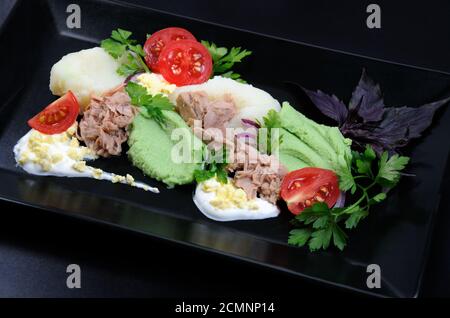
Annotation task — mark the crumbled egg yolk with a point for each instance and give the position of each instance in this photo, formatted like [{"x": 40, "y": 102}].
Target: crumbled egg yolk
[
  {"x": 46, "y": 151},
  {"x": 79, "y": 166},
  {"x": 228, "y": 196},
  {"x": 155, "y": 84},
  {"x": 97, "y": 173},
  {"x": 39, "y": 149}
]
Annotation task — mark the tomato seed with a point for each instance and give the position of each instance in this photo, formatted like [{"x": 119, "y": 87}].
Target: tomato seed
[{"x": 319, "y": 198}]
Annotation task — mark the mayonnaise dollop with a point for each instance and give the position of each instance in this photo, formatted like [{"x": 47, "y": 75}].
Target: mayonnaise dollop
[
  {"x": 61, "y": 155},
  {"x": 226, "y": 202}
]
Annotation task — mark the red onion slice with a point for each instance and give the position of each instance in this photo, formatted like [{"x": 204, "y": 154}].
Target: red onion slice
[
  {"x": 133, "y": 77},
  {"x": 246, "y": 135},
  {"x": 341, "y": 200},
  {"x": 251, "y": 123}
]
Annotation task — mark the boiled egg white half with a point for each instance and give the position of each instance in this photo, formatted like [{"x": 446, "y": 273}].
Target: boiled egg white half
[{"x": 226, "y": 202}]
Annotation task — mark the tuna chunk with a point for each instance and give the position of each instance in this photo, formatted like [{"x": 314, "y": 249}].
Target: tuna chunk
[
  {"x": 192, "y": 106},
  {"x": 103, "y": 127},
  {"x": 219, "y": 114},
  {"x": 196, "y": 106},
  {"x": 256, "y": 172}
]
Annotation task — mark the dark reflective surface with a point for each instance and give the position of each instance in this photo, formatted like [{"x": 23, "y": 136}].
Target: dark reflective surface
[{"x": 396, "y": 234}]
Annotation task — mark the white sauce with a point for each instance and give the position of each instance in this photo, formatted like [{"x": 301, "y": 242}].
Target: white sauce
[
  {"x": 203, "y": 200},
  {"x": 60, "y": 155}
]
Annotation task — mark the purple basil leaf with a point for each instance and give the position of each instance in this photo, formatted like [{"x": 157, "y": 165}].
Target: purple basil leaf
[
  {"x": 330, "y": 106},
  {"x": 413, "y": 120},
  {"x": 397, "y": 127},
  {"x": 369, "y": 95}
]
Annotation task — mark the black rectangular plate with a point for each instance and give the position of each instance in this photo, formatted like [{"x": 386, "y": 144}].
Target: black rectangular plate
[{"x": 395, "y": 236}]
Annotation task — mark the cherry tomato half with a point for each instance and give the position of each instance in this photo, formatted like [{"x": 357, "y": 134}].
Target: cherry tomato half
[
  {"x": 58, "y": 116},
  {"x": 158, "y": 40},
  {"x": 185, "y": 62},
  {"x": 304, "y": 187}
]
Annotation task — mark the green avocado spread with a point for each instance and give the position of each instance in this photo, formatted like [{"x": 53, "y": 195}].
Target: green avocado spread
[
  {"x": 153, "y": 150},
  {"x": 305, "y": 143}
]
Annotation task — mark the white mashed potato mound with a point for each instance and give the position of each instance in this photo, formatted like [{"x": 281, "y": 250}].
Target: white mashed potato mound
[
  {"x": 87, "y": 72},
  {"x": 252, "y": 103}
]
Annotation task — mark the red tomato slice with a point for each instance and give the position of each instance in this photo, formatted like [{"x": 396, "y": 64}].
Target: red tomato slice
[
  {"x": 58, "y": 116},
  {"x": 304, "y": 187},
  {"x": 158, "y": 40},
  {"x": 185, "y": 62}
]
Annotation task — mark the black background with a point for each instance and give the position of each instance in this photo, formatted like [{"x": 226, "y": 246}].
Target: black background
[{"x": 36, "y": 246}]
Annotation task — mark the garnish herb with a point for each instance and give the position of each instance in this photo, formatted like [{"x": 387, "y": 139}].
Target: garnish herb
[
  {"x": 210, "y": 171},
  {"x": 367, "y": 120},
  {"x": 318, "y": 226},
  {"x": 151, "y": 106},
  {"x": 266, "y": 141},
  {"x": 130, "y": 54},
  {"x": 224, "y": 59},
  {"x": 212, "y": 168}
]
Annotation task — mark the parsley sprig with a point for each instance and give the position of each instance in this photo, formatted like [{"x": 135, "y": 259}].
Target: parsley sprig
[
  {"x": 212, "y": 170},
  {"x": 121, "y": 46},
  {"x": 151, "y": 105},
  {"x": 224, "y": 59},
  {"x": 318, "y": 225},
  {"x": 214, "y": 165},
  {"x": 266, "y": 141}
]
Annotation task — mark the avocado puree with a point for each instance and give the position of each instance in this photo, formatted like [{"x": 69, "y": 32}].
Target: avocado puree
[
  {"x": 151, "y": 149},
  {"x": 305, "y": 143}
]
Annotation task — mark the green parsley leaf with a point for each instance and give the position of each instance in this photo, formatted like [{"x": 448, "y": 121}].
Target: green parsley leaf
[
  {"x": 378, "y": 198},
  {"x": 137, "y": 49},
  {"x": 363, "y": 166},
  {"x": 339, "y": 237},
  {"x": 216, "y": 52},
  {"x": 355, "y": 217},
  {"x": 162, "y": 102},
  {"x": 268, "y": 139},
  {"x": 369, "y": 153},
  {"x": 389, "y": 169},
  {"x": 151, "y": 106},
  {"x": 299, "y": 237},
  {"x": 115, "y": 49},
  {"x": 130, "y": 67},
  {"x": 120, "y": 43},
  {"x": 311, "y": 214},
  {"x": 364, "y": 161},
  {"x": 224, "y": 59},
  {"x": 222, "y": 176},
  {"x": 202, "y": 175},
  {"x": 321, "y": 222},
  {"x": 136, "y": 92},
  {"x": 121, "y": 35},
  {"x": 320, "y": 239},
  {"x": 212, "y": 170},
  {"x": 272, "y": 119},
  {"x": 235, "y": 76}
]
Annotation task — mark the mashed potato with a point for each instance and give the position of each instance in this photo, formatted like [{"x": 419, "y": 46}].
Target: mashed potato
[
  {"x": 251, "y": 102},
  {"x": 86, "y": 72}
]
